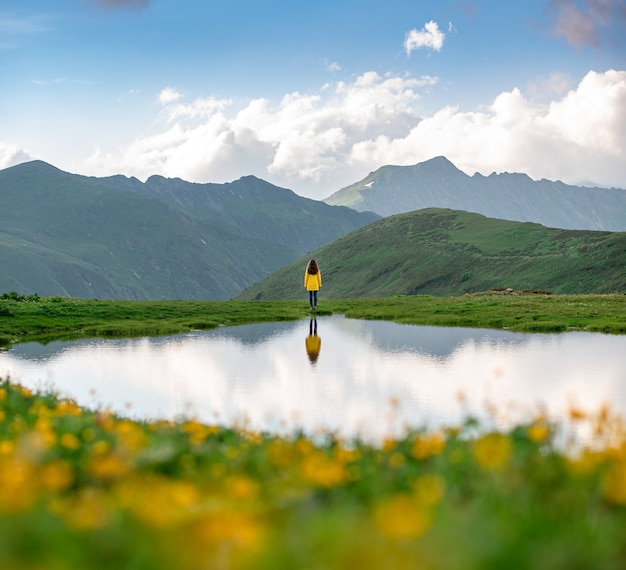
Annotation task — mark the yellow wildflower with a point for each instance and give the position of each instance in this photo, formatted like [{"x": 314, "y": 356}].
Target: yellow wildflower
[
  {"x": 106, "y": 421},
  {"x": 493, "y": 451},
  {"x": 400, "y": 518},
  {"x": 3, "y": 394},
  {"x": 45, "y": 431},
  {"x": 17, "y": 485},
  {"x": 6, "y": 447},
  {"x": 615, "y": 483},
  {"x": 68, "y": 408},
  {"x": 255, "y": 437},
  {"x": 158, "y": 501},
  {"x": 108, "y": 467},
  {"x": 197, "y": 432},
  {"x": 280, "y": 453},
  {"x": 319, "y": 469},
  {"x": 88, "y": 509},
  {"x": 130, "y": 436},
  {"x": 426, "y": 445},
  {"x": 56, "y": 476},
  {"x": 397, "y": 460},
  {"x": 18, "y": 424},
  {"x": 70, "y": 441},
  {"x": 238, "y": 528},
  {"x": 31, "y": 445},
  {"x": 304, "y": 446},
  {"x": 586, "y": 462},
  {"x": 100, "y": 447},
  {"x": 428, "y": 490},
  {"x": 242, "y": 488},
  {"x": 347, "y": 455},
  {"x": 538, "y": 432},
  {"x": 576, "y": 414},
  {"x": 602, "y": 422}
]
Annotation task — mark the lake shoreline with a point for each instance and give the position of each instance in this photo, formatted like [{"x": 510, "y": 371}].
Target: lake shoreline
[{"x": 43, "y": 319}]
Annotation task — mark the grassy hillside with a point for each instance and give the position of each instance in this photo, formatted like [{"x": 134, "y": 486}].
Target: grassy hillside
[
  {"x": 448, "y": 252},
  {"x": 116, "y": 238},
  {"x": 62, "y": 236}
]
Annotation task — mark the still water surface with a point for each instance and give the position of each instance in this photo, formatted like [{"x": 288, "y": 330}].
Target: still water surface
[{"x": 269, "y": 374}]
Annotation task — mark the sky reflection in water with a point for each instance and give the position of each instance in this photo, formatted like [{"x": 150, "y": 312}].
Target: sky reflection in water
[{"x": 264, "y": 373}]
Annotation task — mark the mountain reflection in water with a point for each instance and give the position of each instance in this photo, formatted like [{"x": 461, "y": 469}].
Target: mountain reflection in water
[{"x": 265, "y": 374}]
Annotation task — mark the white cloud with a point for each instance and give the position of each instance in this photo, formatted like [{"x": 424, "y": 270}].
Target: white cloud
[
  {"x": 579, "y": 138},
  {"x": 555, "y": 84},
  {"x": 12, "y": 154},
  {"x": 199, "y": 109},
  {"x": 169, "y": 95},
  {"x": 316, "y": 143},
  {"x": 430, "y": 36},
  {"x": 303, "y": 140}
]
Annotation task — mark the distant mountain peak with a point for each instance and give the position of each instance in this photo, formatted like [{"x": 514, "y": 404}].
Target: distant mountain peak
[
  {"x": 438, "y": 183},
  {"x": 439, "y": 160},
  {"x": 35, "y": 165}
]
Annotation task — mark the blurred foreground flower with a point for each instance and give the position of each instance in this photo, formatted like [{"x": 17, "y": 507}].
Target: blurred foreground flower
[
  {"x": 493, "y": 451},
  {"x": 89, "y": 489}
]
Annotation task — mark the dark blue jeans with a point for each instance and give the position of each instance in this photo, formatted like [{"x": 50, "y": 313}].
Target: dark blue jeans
[{"x": 313, "y": 298}]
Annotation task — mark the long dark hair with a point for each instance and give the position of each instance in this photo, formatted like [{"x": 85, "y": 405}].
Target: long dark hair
[{"x": 312, "y": 268}]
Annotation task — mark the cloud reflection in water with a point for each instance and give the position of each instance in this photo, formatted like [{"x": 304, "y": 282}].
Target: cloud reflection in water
[{"x": 263, "y": 372}]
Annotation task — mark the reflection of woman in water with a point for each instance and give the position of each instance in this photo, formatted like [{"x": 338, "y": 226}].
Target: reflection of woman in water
[
  {"x": 313, "y": 342},
  {"x": 312, "y": 282}
]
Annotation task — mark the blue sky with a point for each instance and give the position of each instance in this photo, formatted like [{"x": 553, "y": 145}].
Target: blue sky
[{"x": 313, "y": 96}]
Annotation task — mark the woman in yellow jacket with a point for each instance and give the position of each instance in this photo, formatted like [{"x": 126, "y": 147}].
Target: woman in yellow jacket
[{"x": 312, "y": 282}]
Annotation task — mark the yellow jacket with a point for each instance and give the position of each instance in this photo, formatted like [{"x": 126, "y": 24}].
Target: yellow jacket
[{"x": 313, "y": 282}]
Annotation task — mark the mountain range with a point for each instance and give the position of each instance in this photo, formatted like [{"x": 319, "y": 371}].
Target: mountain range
[
  {"x": 451, "y": 252},
  {"x": 437, "y": 183},
  {"x": 120, "y": 238},
  {"x": 116, "y": 237}
]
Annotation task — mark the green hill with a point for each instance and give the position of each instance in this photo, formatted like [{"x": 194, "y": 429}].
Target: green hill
[
  {"x": 69, "y": 235},
  {"x": 449, "y": 252}
]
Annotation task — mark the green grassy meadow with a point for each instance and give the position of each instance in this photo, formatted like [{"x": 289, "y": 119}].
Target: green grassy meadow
[
  {"x": 85, "y": 488},
  {"x": 34, "y": 318}
]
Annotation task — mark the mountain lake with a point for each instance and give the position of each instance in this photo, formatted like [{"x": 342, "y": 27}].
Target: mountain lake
[{"x": 369, "y": 379}]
